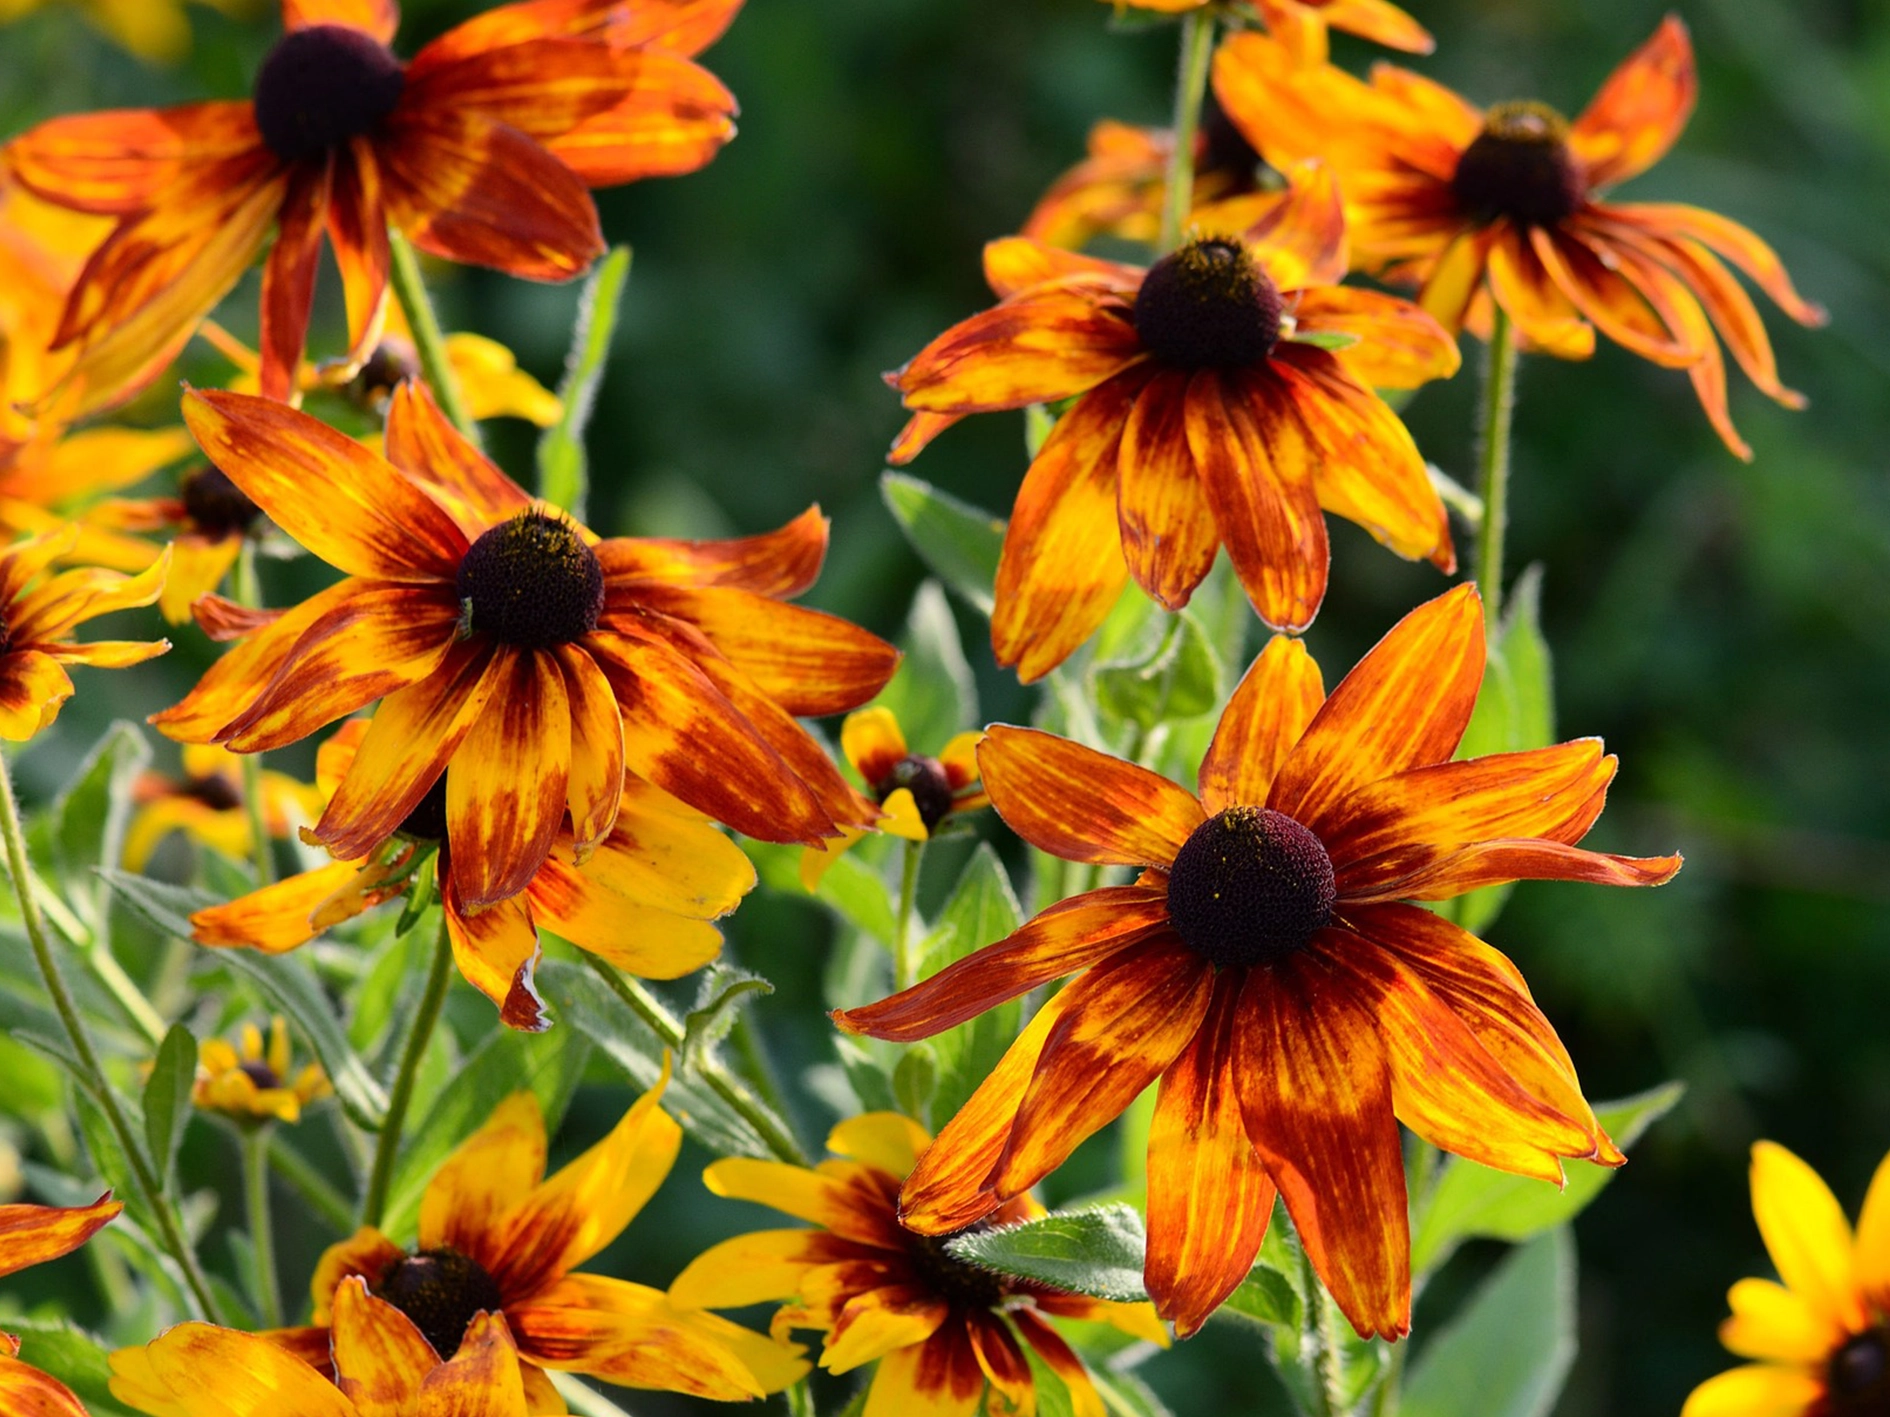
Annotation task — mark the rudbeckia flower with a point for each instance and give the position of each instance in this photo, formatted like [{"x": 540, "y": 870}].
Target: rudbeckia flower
[
  {"x": 1507, "y": 205},
  {"x": 206, "y": 804},
  {"x": 642, "y": 899},
  {"x": 30, "y": 1235},
  {"x": 496, "y": 1237},
  {"x": 541, "y": 662},
  {"x": 1302, "y": 24},
  {"x": 481, "y": 149},
  {"x": 207, "y": 522},
  {"x": 940, "y": 1329},
  {"x": 1821, "y": 1338},
  {"x": 385, "y": 1365},
  {"x": 256, "y": 1082},
  {"x": 916, "y": 793},
  {"x": 1267, "y": 967},
  {"x": 38, "y": 614},
  {"x": 1214, "y": 405}
]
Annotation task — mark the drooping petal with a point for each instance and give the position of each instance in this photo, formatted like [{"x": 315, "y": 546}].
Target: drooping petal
[
  {"x": 27, "y": 1392},
  {"x": 281, "y": 916},
  {"x": 874, "y": 1323},
  {"x": 1545, "y": 316},
  {"x": 506, "y": 788},
  {"x": 781, "y": 563},
  {"x": 1728, "y": 239},
  {"x": 1457, "y": 276},
  {"x": 120, "y": 161},
  {"x": 1492, "y": 863},
  {"x": 357, "y": 234},
  {"x": 675, "y": 118},
  {"x": 1062, "y": 1360},
  {"x": 1003, "y": 1361},
  {"x": 496, "y": 951},
  {"x": 1640, "y": 112},
  {"x": 423, "y": 443},
  {"x": 1168, "y": 534},
  {"x": 595, "y": 790},
  {"x": 1269, "y": 710},
  {"x": 471, "y": 1196},
  {"x": 1062, "y": 566},
  {"x": 1315, "y": 1090},
  {"x": 669, "y": 859},
  {"x": 644, "y": 940},
  {"x": 543, "y": 86},
  {"x": 32, "y": 688},
  {"x": 34, "y": 1234},
  {"x": 288, "y": 285},
  {"x": 1404, "y": 705},
  {"x": 1399, "y": 346},
  {"x": 1209, "y": 1196},
  {"x": 1082, "y": 805},
  {"x": 1620, "y": 307},
  {"x": 1770, "y": 1322},
  {"x": 1078, "y": 933},
  {"x": 1757, "y": 1390},
  {"x": 1806, "y": 1234}
]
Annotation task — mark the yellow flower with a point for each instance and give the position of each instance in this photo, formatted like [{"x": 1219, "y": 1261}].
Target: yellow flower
[
  {"x": 1822, "y": 1337},
  {"x": 256, "y": 1083},
  {"x": 206, "y": 803}
]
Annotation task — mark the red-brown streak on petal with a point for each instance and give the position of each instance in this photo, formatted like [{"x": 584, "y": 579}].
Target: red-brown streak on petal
[
  {"x": 1489, "y": 994},
  {"x": 1390, "y": 828},
  {"x": 781, "y": 563},
  {"x": 423, "y": 443},
  {"x": 685, "y": 26},
  {"x": 1623, "y": 309},
  {"x": 543, "y": 87},
  {"x": 497, "y": 953},
  {"x": 999, "y": 1356},
  {"x": 681, "y": 733},
  {"x": 27, "y": 1392},
  {"x": 1399, "y": 346},
  {"x": 1209, "y": 1196},
  {"x": 342, "y": 502},
  {"x": 1404, "y": 705},
  {"x": 596, "y": 783},
  {"x": 1269, "y": 710},
  {"x": 917, "y": 435},
  {"x": 1640, "y": 111},
  {"x": 279, "y": 917},
  {"x": 288, "y": 286},
  {"x": 357, "y": 233},
  {"x": 1368, "y": 469},
  {"x": 1124, "y": 1022},
  {"x": 1013, "y": 264},
  {"x": 222, "y": 619},
  {"x": 1042, "y": 345},
  {"x": 1315, "y": 1091},
  {"x": 1082, "y": 805},
  {"x": 415, "y": 732},
  {"x": 468, "y": 188},
  {"x": 1062, "y": 568},
  {"x": 676, "y": 118},
  {"x": 32, "y": 689},
  {"x": 945, "y": 1378},
  {"x": 1544, "y": 316},
  {"x": 1074, "y": 935},
  {"x": 366, "y": 1253},
  {"x": 506, "y": 788},
  {"x": 1300, "y": 241},
  {"x": 1725, "y": 238},
  {"x": 950, "y": 1187},
  {"x": 1491, "y": 863},
  {"x": 34, "y": 1234},
  {"x": 483, "y": 1379},
  {"x": 872, "y": 741},
  {"x": 380, "y": 18},
  {"x": 379, "y": 1357},
  {"x": 1445, "y": 1085},
  {"x": 812, "y": 664},
  {"x": 1257, "y": 464},
  {"x": 1062, "y": 1360},
  {"x": 1168, "y": 534},
  {"x": 121, "y": 161},
  {"x": 381, "y": 637}
]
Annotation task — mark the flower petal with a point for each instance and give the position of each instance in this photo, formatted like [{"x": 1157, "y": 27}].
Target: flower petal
[
  {"x": 675, "y": 118},
  {"x": 1015, "y": 263},
  {"x": 472, "y": 1195},
  {"x": 781, "y": 563},
  {"x": 357, "y": 233},
  {"x": 884, "y": 1140},
  {"x": 1757, "y": 1390},
  {"x": 1492, "y": 863},
  {"x": 506, "y": 785},
  {"x": 1522, "y": 287},
  {"x": 1300, "y": 241},
  {"x": 280, "y": 916},
  {"x": 1873, "y": 1239},
  {"x": 760, "y": 1267},
  {"x": 288, "y": 286},
  {"x": 1270, "y": 708},
  {"x": 641, "y": 939},
  {"x": 1620, "y": 306},
  {"x": 228, "y": 687},
  {"x": 218, "y": 1372},
  {"x": 423, "y": 443},
  {"x": 873, "y": 743},
  {"x": 1080, "y": 932},
  {"x": 1640, "y": 111},
  {"x": 1062, "y": 1360},
  {"x": 496, "y": 951},
  {"x": 1725, "y": 238},
  {"x": 34, "y": 1234},
  {"x": 1400, "y": 346},
  {"x": 1770, "y": 1322},
  {"x": 27, "y": 1392},
  {"x": 1082, "y": 805},
  {"x": 874, "y": 1323},
  {"x": 483, "y": 1379},
  {"x": 664, "y": 858},
  {"x": 379, "y": 18},
  {"x": 595, "y": 791},
  {"x": 380, "y": 1358},
  {"x": 32, "y": 688},
  {"x": 1807, "y": 1235},
  {"x": 1168, "y": 534},
  {"x": 937, "y": 1378}
]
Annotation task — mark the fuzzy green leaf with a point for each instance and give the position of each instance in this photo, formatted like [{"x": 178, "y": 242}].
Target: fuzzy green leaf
[
  {"x": 167, "y": 1098},
  {"x": 1096, "y": 1251},
  {"x": 1508, "y": 1351},
  {"x": 958, "y": 541},
  {"x": 563, "y": 469}
]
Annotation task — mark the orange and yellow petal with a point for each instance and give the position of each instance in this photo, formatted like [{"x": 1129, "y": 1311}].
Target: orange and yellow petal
[
  {"x": 1640, "y": 111},
  {"x": 27, "y": 1391},
  {"x": 1169, "y": 536},
  {"x": 208, "y": 1369},
  {"x": 35, "y": 1234},
  {"x": 938, "y": 1378},
  {"x": 1757, "y": 1390},
  {"x": 873, "y": 743},
  {"x": 760, "y": 1267},
  {"x": 380, "y": 1358},
  {"x": 1266, "y": 715},
  {"x": 1806, "y": 1234},
  {"x": 33, "y": 687},
  {"x": 1081, "y": 804},
  {"x": 470, "y": 1198}
]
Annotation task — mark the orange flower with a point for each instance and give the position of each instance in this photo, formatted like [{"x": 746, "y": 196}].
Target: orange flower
[
  {"x": 642, "y": 899},
  {"x": 1225, "y": 395},
  {"x": 30, "y": 1235},
  {"x": 939, "y": 1328},
  {"x": 207, "y": 803},
  {"x": 1267, "y": 968},
  {"x": 1302, "y": 24},
  {"x": 497, "y": 1236},
  {"x": 37, "y": 616},
  {"x": 1505, "y": 205},
  {"x": 506, "y": 640},
  {"x": 481, "y": 149},
  {"x": 207, "y": 522}
]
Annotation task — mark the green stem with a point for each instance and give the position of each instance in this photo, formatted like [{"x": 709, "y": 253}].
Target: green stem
[
  {"x": 92, "y": 1073},
  {"x": 717, "y": 1078},
  {"x": 249, "y": 595},
  {"x": 1191, "y": 76},
  {"x": 800, "y": 1400},
  {"x": 262, "y": 1233},
  {"x": 1498, "y": 409},
  {"x": 902, "y": 923},
  {"x": 308, "y": 1183},
  {"x": 1331, "y": 1354},
  {"x": 410, "y": 288},
  {"x": 387, "y": 1145}
]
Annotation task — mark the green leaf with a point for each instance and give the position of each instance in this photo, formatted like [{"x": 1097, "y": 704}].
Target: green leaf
[
  {"x": 88, "y": 816},
  {"x": 1052, "y": 1393},
  {"x": 718, "y": 1001},
  {"x": 958, "y": 541},
  {"x": 1180, "y": 680},
  {"x": 1265, "y": 1296},
  {"x": 1038, "y": 423},
  {"x": 934, "y": 694},
  {"x": 1126, "y": 1395},
  {"x": 562, "y": 465},
  {"x": 855, "y": 890},
  {"x": 982, "y": 910},
  {"x": 71, "y": 1355},
  {"x": 164, "y": 907},
  {"x": 1507, "y": 1352},
  {"x": 1471, "y": 1201},
  {"x": 1333, "y": 340},
  {"x": 1096, "y": 1251},
  {"x": 915, "y": 1080},
  {"x": 167, "y": 1098}
]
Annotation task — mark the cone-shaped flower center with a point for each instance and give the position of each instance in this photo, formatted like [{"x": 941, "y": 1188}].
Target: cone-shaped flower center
[
  {"x": 442, "y": 1291},
  {"x": 259, "y": 1073},
  {"x": 1249, "y": 887},
  {"x": 1858, "y": 1377},
  {"x": 1208, "y": 306},
  {"x": 427, "y": 820},
  {"x": 321, "y": 86},
  {"x": 217, "y": 505},
  {"x": 947, "y": 1277},
  {"x": 925, "y": 779},
  {"x": 1520, "y": 167},
  {"x": 532, "y": 582}
]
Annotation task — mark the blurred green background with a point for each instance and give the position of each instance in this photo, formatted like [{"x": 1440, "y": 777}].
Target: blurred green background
[{"x": 1726, "y": 627}]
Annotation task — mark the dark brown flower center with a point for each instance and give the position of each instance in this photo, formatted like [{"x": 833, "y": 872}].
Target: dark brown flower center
[
  {"x": 1249, "y": 887},
  {"x": 215, "y": 792},
  {"x": 1208, "y": 306},
  {"x": 442, "y": 1291},
  {"x": 1857, "y": 1379},
  {"x": 392, "y": 361},
  {"x": 6, "y": 633},
  {"x": 925, "y": 779},
  {"x": 321, "y": 86},
  {"x": 1520, "y": 167},
  {"x": 259, "y": 1073},
  {"x": 532, "y": 582},
  {"x": 427, "y": 820},
  {"x": 949, "y": 1278},
  {"x": 217, "y": 505}
]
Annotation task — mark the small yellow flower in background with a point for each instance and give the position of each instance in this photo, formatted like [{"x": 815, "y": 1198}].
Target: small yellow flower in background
[
  {"x": 917, "y": 793},
  {"x": 206, "y": 804},
  {"x": 157, "y": 31},
  {"x": 206, "y": 523},
  {"x": 255, "y": 1082},
  {"x": 939, "y": 1327},
  {"x": 30, "y": 1235},
  {"x": 1822, "y": 1337}
]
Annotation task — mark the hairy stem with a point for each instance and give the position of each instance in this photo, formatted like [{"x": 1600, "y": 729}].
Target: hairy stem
[
  {"x": 1191, "y": 76},
  {"x": 262, "y": 1233},
  {"x": 1497, "y": 410},
  {"x": 428, "y": 340},
  {"x": 387, "y": 1145}
]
